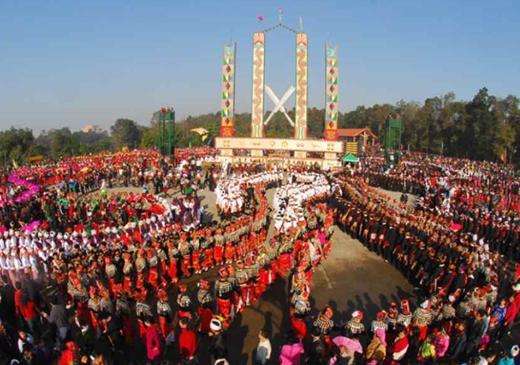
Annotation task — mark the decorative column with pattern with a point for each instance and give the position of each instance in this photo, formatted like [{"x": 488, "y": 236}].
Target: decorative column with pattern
[
  {"x": 227, "y": 110},
  {"x": 331, "y": 93},
  {"x": 257, "y": 103},
  {"x": 300, "y": 127}
]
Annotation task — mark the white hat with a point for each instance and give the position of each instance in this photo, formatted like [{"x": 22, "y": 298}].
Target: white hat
[
  {"x": 425, "y": 304},
  {"x": 215, "y": 325}
]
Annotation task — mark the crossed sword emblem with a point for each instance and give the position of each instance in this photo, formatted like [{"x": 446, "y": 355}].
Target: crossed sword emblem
[{"x": 278, "y": 103}]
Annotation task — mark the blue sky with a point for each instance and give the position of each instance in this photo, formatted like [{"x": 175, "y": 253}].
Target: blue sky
[{"x": 72, "y": 63}]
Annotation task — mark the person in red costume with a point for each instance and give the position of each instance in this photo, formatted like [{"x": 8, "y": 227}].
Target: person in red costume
[
  {"x": 69, "y": 355},
  {"x": 125, "y": 313},
  {"x": 224, "y": 291},
  {"x": 229, "y": 253},
  {"x": 205, "y": 300},
  {"x": 164, "y": 311},
  {"x": 153, "y": 342},
  {"x": 186, "y": 265},
  {"x": 153, "y": 262},
  {"x": 172, "y": 262},
  {"x": 511, "y": 314},
  {"x": 142, "y": 310},
  {"x": 400, "y": 346},
  {"x": 184, "y": 302},
  {"x": 207, "y": 262},
  {"x": 187, "y": 341},
  {"x": 195, "y": 261},
  {"x": 218, "y": 254},
  {"x": 298, "y": 324}
]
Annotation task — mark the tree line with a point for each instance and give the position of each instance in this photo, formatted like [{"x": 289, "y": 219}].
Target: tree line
[{"x": 486, "y": 127}]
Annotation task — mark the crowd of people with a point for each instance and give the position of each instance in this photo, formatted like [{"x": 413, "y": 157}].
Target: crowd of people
[
  {"x": 233, "y": 192},
  {"x": 107, "y": 283},
  {"x": 469, "y": 296},
  {"x": 93, "y": 276}
]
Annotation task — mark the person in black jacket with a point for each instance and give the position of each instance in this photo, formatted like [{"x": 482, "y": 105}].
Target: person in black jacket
[
  {"x": 84, "y": 336},
  {"x": 7, "y": 342},
  {"x": 458, "y": 342},
  {"x": 316, "y": 349},
  {"x": 7, "y": 307}
]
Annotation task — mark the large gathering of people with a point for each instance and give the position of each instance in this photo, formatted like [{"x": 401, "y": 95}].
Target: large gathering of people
[{"x": 108, "y": 259}]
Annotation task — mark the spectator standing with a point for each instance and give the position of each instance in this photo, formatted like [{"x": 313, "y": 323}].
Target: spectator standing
[{"x": 263, "y": 349}]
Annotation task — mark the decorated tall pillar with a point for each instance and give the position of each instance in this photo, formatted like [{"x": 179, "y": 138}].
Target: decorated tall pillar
[
  {"x": 331, "y": 93},
  {"x": 257, "y": 102},
  {"x": 227, "y": 110},
  {"x": 300, "y": 123}
]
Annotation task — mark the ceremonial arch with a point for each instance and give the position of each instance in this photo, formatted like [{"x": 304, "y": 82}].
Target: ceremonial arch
[{"x": 300, "y": 149}]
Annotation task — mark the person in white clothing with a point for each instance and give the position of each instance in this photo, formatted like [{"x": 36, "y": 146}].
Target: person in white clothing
[{"x": 263, "y": 350}]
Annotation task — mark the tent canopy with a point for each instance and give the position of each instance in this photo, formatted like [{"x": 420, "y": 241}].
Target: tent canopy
[{"x": 350, "y": 157}]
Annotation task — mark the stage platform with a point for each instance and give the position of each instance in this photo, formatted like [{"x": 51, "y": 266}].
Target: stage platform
[{"x": 247, "y": 150}]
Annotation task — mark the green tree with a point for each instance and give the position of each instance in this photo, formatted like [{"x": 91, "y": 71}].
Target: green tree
[
  {"x": 481, "y": 126},
  {"x": 149, "y": 136},
  {"x": 125, "y": 133},
  {"x": 15, "y": 144}
]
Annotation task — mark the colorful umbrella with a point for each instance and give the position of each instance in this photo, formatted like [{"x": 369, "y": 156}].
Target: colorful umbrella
[{"x": 351, "y": 345}]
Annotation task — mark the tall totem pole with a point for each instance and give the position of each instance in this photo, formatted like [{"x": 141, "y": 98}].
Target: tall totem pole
[
  {"x": 330, "y": 132},
  {"x": 300, "y": 123},
  {"x": 257, "y": 102},
  {"x": 227, "y": 111}
]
